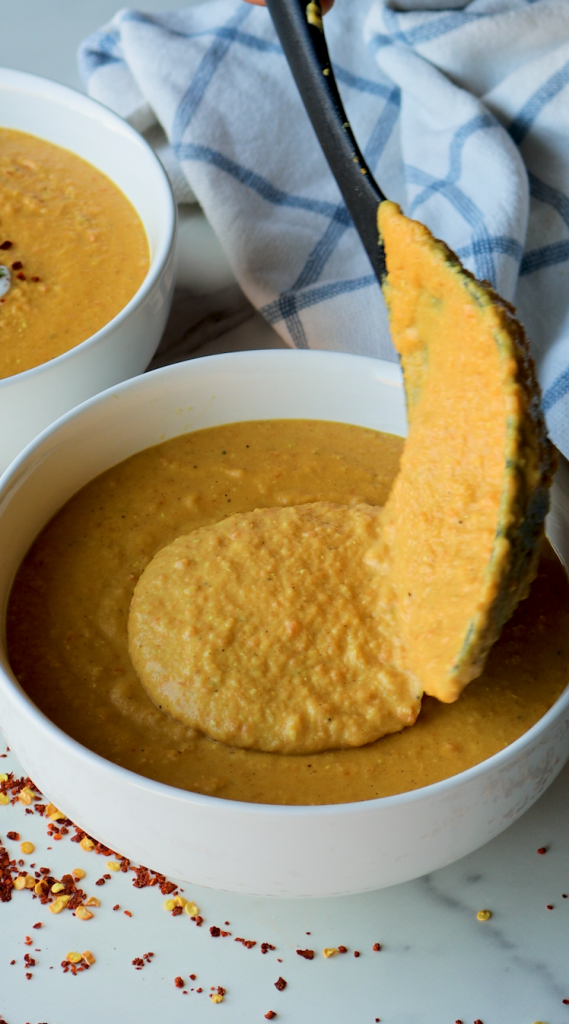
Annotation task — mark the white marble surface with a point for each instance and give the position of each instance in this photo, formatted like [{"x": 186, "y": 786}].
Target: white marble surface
[{"x": 438, "y": 964}]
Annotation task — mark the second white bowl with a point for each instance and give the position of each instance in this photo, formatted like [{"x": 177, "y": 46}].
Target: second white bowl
[{"x": 29, "y": 401}]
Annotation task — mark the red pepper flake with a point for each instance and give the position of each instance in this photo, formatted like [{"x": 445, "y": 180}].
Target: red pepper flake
[
  {"x": 266, "y": 946},
  {"x": 15, "y": 836},
  {"x": 308, "y": 954},
  {"x": 17, "y": 265},
  {"x": 166, "y": 888},
  {"x": 100, "y": 881},
  {"x": 477, "y": 1022},
  {"x": 214, "y": 931},
  {"x": 280, "y": 984},
  {"x": 177, "y": 911},
  {"x": 28, "y": 976},
  {"x": 550, "y": 906},
  {"x": 117, "y": 906},
  {"x": 356, "y": 952},
  {"x": 179, "y": 982},
  {"x": 37, "y": 925},
  {"x": 199, "y": 990},
  {"x": 21, "y": 276},
  {"x": 128, "y": 913},
  {"x": 36, "y": 278},
  {"x": 564, "y": 894},
  {"x": 270, "y": 1014},
  {"x": 566, "y": 1002},
  {"x": 6, "y": 245},
  {"x": 376, "y": 947},
  {"x": 248, "y": 943},
  {"x": 28, "y": 941},
  {"x": 138, "y": 963},
  {"x": 193, "y": 977},
  {"x": 12, "y": 962},
  {"x": 542, "y": 849},
  {"x": 342, "y": 949},
  {"x": 225, "y": 922}
]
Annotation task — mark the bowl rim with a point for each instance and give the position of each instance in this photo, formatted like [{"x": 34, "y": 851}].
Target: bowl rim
[
  {"x": 161, "y": 789},
  {"x": 65, "y": 96}
]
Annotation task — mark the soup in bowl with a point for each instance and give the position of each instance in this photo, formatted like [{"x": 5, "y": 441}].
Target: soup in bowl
[
  {"x": 88, "y": 229},
  {"x": 325, "y": 818}
]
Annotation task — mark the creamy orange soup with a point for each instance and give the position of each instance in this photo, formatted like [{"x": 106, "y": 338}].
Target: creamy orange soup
[
  {"x": 67, "y": 619},
  {"x": 72, "y": 249}
]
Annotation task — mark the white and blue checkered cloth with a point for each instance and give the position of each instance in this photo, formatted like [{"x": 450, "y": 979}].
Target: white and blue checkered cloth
[{"x": 461, "y": 109}]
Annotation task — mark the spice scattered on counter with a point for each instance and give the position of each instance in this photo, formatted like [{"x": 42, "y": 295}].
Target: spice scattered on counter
[
  {"x": 140, "y": 961},
  {"x": 248, "y": 943},
  {"x": 550, "y": 906},
  {"x": 356, "y": 952},
  {"x": 342, "y": 949},
  {"x": 270, "y": 1015},
  {"x": 280, "y": 984},
  {"x": 484, "y": 915},
  {"x": 217, "y": 997},
  {"x": 78, "y": 962},
  {"x": 542, "y": 849},
  {"x": 376, "y": 947},
  {"x": 308, "y": 954},
  {"x": 178, "y": 982}
]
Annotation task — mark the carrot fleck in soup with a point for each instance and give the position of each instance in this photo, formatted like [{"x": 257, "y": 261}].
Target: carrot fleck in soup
[
  {"x": 73, "y": 251},
  {"x": 69, "y": 612}
]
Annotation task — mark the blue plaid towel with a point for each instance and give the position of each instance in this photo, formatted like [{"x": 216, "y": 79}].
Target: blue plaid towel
[{"x": 461, "y": 108}]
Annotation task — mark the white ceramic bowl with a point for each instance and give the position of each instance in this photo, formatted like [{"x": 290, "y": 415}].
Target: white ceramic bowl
[
  {"x": 250, "y": 848},
  {"x": 29, "y": 401}
]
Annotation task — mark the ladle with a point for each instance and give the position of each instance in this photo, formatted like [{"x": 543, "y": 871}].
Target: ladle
[{"x": 300, "y": 31}]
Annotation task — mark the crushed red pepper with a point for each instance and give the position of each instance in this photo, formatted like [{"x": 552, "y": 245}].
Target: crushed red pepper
[
  {"x": 270, "y": 1014},
  {"x": 308, "y": 954},
  {"x": 280, "y": 984}
]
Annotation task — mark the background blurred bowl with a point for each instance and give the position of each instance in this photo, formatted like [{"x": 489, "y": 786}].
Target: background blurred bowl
[
  {"x": 29, "y": 401},
  {"x": 250, "y": 848}
]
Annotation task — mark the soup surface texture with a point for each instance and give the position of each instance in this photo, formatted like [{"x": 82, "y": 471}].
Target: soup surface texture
[
  {"x": 67, "y": 619},
  {"x": 73, "y": 245}
]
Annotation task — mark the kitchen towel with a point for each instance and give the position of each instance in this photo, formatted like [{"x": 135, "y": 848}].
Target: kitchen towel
[{"x": 461, "y": 109}]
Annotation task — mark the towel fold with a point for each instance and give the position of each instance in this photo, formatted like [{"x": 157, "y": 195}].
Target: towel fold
[{"x": 460, "y": 108}]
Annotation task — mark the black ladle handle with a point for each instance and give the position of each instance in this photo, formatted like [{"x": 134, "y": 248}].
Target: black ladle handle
[{"x": 299, "y": 27}]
